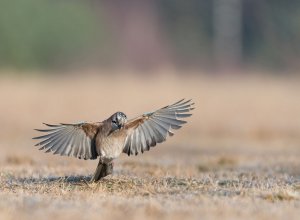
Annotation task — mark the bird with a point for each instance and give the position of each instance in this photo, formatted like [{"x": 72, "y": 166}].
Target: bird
[{"x": 108, "y": 139}]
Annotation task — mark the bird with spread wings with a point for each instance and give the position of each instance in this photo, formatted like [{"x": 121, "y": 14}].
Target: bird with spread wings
[{"x": 109, "y": 138}]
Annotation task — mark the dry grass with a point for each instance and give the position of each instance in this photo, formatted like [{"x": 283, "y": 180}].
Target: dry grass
[{"x": 238, "y": 157}]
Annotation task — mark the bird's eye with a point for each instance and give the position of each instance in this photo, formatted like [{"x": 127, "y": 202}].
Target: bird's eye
[{"x": 114, "y": 122}]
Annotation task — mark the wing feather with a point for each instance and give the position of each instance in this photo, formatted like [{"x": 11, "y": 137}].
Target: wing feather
[
  {"x": 143, "y": 139},
  {"x": 75, "y": 140},
  {"x": 132, "y": 143},
  {"x": 152, "y": 136},
  {"x": 151, "y": 128},
  {"x": 74, "y": 145},
  {"x": 148, "y": 139}
]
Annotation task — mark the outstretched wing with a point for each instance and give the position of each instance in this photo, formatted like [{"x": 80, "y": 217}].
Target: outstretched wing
[
  {"x": 151, "y": 128},
  {"x": 75, "y": 140}
]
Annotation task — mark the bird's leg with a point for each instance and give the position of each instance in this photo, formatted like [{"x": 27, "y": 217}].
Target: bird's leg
[
  {"x": 97, "y": 173},
  {"x": 107, "y": 169},
  {"x": 103, "y": 170}
]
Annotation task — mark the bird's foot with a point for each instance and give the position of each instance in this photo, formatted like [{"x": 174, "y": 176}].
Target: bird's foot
[{"x": 102, "y": 171}]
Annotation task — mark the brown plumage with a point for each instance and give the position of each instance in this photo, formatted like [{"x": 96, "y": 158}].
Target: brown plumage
[{"x": 108, "y": 139}]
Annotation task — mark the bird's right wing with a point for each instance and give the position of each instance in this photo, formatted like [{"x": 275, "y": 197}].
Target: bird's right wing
[{"x": 75, "y": 140}]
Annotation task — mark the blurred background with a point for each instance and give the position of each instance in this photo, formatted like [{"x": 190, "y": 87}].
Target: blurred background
[
  {"x": 148, "y": 35},
  {"x": 68, "y": 61}
]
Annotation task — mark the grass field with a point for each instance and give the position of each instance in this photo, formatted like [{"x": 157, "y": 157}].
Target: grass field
[{"x": 237, "y": 158}]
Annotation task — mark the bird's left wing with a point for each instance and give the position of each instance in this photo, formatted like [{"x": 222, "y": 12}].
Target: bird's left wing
[{"x": 151, "y": 128}]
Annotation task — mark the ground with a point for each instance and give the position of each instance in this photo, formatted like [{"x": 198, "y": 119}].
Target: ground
[{"x": 237, "y": 157}]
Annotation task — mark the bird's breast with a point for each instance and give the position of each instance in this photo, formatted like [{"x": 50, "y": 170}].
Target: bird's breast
[{"x": 110, "y": 147}]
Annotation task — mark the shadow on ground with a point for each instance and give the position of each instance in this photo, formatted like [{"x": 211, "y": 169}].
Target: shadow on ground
[{"x": 74, "y": 179}]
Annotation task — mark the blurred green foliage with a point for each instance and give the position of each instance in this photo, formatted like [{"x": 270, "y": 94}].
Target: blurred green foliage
[
  {"x": 54, "y": 33},
  {"x": 189, "y": 28},
  {"x": 270, "y": 31},
  {"x": 44, "y": 33}
]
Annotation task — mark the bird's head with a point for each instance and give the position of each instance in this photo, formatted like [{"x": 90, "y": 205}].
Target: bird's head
[{"x": 118, "y": 120}]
